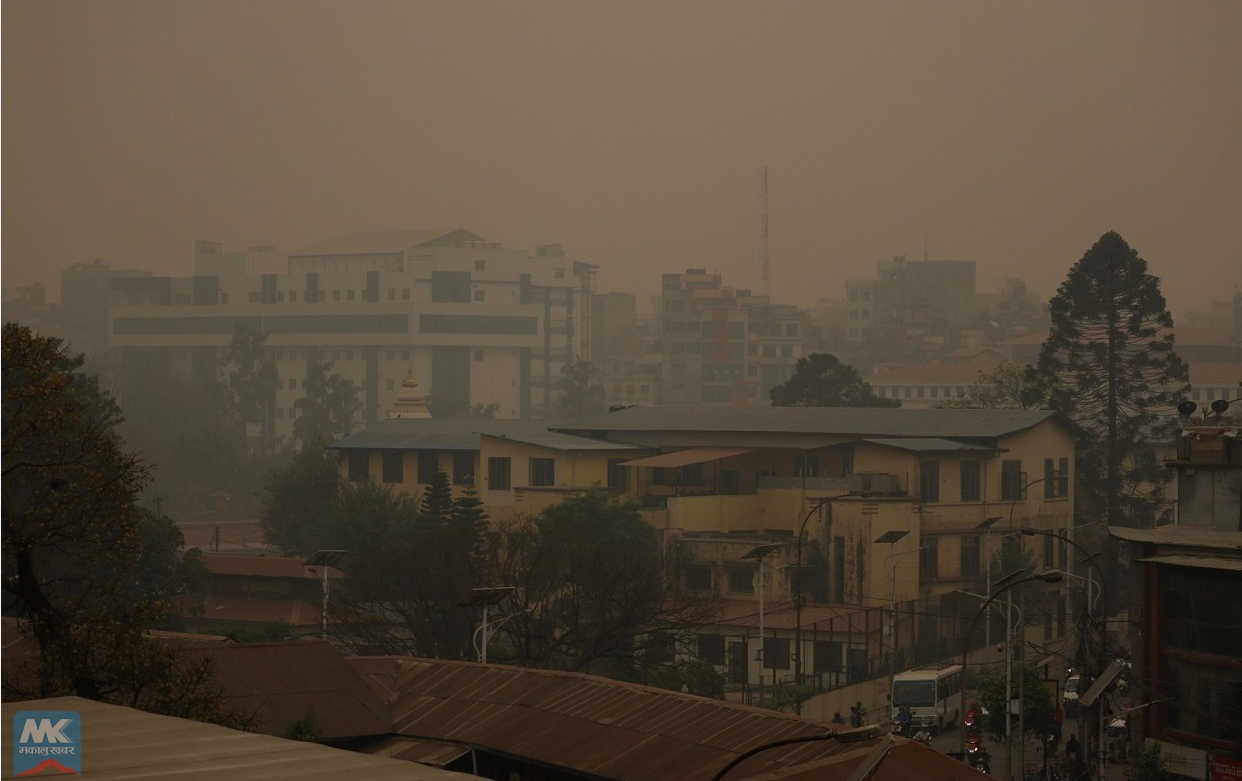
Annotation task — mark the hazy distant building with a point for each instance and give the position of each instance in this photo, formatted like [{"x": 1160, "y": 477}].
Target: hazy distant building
[
  {"x": 721, "y": 346},
  {"x": 478, "y": 323}
]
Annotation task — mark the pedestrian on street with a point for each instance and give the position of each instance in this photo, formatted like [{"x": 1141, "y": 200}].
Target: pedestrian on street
[
  {"x": 856, "y": 714},
  {"x": 837, "y": 718}
]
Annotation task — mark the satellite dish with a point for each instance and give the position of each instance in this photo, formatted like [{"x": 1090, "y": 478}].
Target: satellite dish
[{"x": 1187, "y": 408}]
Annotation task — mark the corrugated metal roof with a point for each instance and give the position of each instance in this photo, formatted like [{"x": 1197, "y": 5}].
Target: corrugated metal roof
[
  {"x": 907, "y": 760},
  {"x": 587, "y": 725},
  {"x": 1177, "y": 534},
  {"x": 695, "y": 455},
  {"x": 450, "y": 434},
  {"x": 924, "y": 445},
  {"x": 381, "y": 242},
  {"x": 282, "y": 680},
  {"x": 867, "y": 422},
  {"x": 1208, "y": 562},
  {"x": 123, "y": 743}
]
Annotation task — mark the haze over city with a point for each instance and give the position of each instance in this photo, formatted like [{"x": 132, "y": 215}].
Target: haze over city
[{"x": 634, "y": 134}]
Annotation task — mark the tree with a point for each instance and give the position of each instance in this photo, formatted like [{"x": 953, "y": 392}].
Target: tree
[
  {"x": 579, "y": 397},
  {"x": 299, "y": 500},
  {"x": 437, "y": 503},
  {"x": 326, "y": 413},
  {"x": 1110, "y": 363},
  {"x": 251, "y": 380},
  {"x": 453, "y": 405},
  {"x": 75, "y": 545},
  {"x": 820, "y": 380},
  {"x": 1150, "y": 765},
  {"x": 1038, "y": 711},
  {"x": 1007, "y": 386},
  {"x": 591, "y": 593}
]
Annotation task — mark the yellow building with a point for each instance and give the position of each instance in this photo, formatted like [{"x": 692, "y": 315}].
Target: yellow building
[{"x": 893, "y": 513}]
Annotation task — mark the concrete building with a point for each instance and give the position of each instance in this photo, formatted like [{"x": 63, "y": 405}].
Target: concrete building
[
  {"x": 720, "y": 346},
  {"x": 1184, "y": 576},
  {"x": 475, "y": 322},
  {"x": 887, "y": 512}
]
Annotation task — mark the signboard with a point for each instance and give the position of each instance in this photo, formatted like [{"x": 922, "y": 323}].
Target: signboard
[
  {"x": 1184, "y": 760},
  {"x": 47, "y": 741},
  {"x": 1226, "y": 769}
]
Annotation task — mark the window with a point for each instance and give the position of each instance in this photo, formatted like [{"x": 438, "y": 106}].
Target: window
[
  {"x": 1012, "y": 480},
  {"x": 712, "y": 649},
  {"x": 478, "y": 355},
  {"x": 776, "y": 653},
  {"x": 929, "y": 481},
  {"x": 971, "y": 483},
  {"x": 699, "y": 577},
  {"x": 405, "y": 294},
  {"x": 806, "y": 466},
  {"x": 542, "y": 471},
  {"x": 349, "y": 295},
  {"x": 971, "y": 566},
  {"x": 478, "y": 295},
  {"x": 498, "y": 477},
  {"x": 336, "y": 295},
  {"x": 480, "y": 265},
  {"x": 559, "y": 273},
  {"x": 463, "y": 468},
  {"x": 1049, "y": 551},
  {"x": 741, "y": 581},
  {"x": 358, "y": 469},
  {"x": 293, "y": 384},
  {"x": 618, "y": 476},
  {"x": 428, "y": 465},
  {"x": 1056, "y": 478},
  {"x": 394, "y": 466},
  {"x": 929, "y": 559}
]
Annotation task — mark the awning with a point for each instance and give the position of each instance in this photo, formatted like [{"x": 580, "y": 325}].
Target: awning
[
  {"x": 694, "y": 455},
  {"x": 1185, "y": 560}
]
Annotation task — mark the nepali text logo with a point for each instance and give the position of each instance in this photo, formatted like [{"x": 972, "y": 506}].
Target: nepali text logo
[{"x": 47, "y": 741}]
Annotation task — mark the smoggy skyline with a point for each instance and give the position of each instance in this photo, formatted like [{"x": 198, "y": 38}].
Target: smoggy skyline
[{"x": 633, "y": 133}]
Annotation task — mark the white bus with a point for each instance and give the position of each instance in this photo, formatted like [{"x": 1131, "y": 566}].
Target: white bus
[{"x": 932, "y": 695}]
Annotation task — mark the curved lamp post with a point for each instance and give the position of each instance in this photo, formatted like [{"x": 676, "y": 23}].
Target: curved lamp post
[
  {"x": 1004, "y": 584},
  {"x": 1090, "y": 558},
  {"x": 844, "y": 736},
  {"x": 798, "y": 599}
]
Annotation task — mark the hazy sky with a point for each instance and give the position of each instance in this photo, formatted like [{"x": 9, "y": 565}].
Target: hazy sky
[{"x": 1008, "y": 133}]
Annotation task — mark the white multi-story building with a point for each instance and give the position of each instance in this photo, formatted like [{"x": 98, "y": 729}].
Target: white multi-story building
[{"x": 475, "y": 322}]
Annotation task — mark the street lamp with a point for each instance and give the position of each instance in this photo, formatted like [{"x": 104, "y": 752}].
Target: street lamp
[
  {"x": 1004, "y": 584},
  {"x": 759, "y": 552},
  {"x": 891, "y": 537},
  {"x": 986, "y": 525},
  {"x": 1030, "y": 531},
  {"x": 892, "y": 595},
  {"x": 841, "y": 736},
  {"x": 798, "y": 599},
  {"x": 324, "y": 559},
  {"x": 484, "y": 597}
]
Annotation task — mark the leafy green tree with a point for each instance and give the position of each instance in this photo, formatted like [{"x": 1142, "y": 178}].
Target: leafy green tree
[
  {"x": 326, "y": 413},
  {"x": 1007, "y": 386},
  {"x": 579, "y": 396},
  {"x": 305, "y": 727},
  {"x": 251, "y": 380},
  {"x": 187, "y": 431},
  {"x": 1150, "y": 765},
  {"x": 163, "y": 571},
  {"x": 300, "y": 499},
  {"x": 821, "y": 380},
  {"x": 591, "y": 592},
  {"x": 1110, "y": 364},
  {"x": 692, "y": 676},
  {"x": 1037, "y": 707},
  {"x": 75, "y": 544}
]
